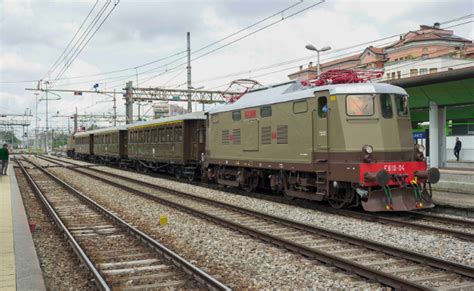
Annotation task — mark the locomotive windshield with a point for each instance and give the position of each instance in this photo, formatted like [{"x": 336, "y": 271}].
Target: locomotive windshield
[
  {"x": 360, "y": 105},
  {"x": 402, "y": 105},
  {"x": 386, "y": 105}
]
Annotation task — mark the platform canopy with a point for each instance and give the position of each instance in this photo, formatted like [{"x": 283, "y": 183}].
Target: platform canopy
[{"x": 453, "y": 89}]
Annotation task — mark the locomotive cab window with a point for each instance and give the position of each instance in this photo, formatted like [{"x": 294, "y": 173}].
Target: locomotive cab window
[
  {"x": 386, "y": 105},
  {"x": 236, "y": 115},
  {"x": 401, "y": 102},
  {"x": 322, "y": 107},
  {"x": 360, "y": 105},
  {"x": 265, "y": 111},
  {"x": 300, "y": 107}
]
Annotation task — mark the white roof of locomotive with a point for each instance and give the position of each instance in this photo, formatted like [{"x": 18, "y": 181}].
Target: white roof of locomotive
[{"x": 294, "y": 91}]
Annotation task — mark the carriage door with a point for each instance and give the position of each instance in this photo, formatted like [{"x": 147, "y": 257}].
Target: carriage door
[
  {"x": 123, "y": 143},
  {"x": 194, "y": 140},
  {"x": 320, "y": 133},
  {"x": 91, "y": 144}
]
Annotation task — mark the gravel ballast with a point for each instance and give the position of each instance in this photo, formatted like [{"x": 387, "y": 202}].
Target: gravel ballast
[
  {"x": 62, "y": 270},
  {"x": 236, "y": 259},
  {"x": 430, "y": 243}
]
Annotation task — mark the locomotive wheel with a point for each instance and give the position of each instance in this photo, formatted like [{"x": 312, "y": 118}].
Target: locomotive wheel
[
  {"x": 250, "y": 185},
  {"x": 341, "y": 199},
  {"x": 287, "y": 188}
]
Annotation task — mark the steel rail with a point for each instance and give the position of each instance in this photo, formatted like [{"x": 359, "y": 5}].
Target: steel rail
[
  {"x": 382, "y": 277},
  {"x": 400, "y": 222},
  {"x": 354, "y": 214},
  {"x": 99, "y": 280},
  {"x": 461, "y": 269},
  {"x": 168, "y": 254}
]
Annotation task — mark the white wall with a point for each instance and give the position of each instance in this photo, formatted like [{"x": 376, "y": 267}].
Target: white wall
[
  {"x": 441, "y": 64},
  {"x": 467, "y": 149}
]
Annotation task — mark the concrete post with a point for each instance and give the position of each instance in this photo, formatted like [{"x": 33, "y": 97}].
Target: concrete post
[
  {"x": 442, "y": 135},
  {"x": 434, "y": 133},
  {"x": 129, "y": 102},
  {"x": 188, "y": 67}
]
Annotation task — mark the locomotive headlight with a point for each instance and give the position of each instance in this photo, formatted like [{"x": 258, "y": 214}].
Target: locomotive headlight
[
  {"x": 420, "y": 148},
  {"x": 368, "y": 149}
]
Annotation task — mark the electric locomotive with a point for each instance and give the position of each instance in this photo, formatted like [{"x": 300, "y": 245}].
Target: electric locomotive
[{"x": 348, "y": 144}]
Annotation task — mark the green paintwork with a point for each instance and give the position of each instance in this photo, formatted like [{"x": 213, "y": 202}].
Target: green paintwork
[
  {"x": 444, "y": 94},
  {"x": 453, "y": 113}
]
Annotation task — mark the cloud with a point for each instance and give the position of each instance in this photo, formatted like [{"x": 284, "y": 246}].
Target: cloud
[
  {"x": 17, "y": 63},
  {"x": 16, "y": 8}
]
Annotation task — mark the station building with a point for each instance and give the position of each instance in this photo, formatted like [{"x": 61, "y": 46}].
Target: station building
[{"x": 436, "y": 67}]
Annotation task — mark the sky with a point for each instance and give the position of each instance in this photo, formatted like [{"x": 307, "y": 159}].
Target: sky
[{"x": 34, "y": 33}]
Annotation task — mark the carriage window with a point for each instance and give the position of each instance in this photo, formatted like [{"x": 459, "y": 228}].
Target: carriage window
[
  {"x": 162, "y": 135},
  {"x": 386, "y": 105},
  {"x": 360, "y": 105},
  {"x": 170, "y": 134},
  {"x": 402, "y": 105},
  {"x": 265, "y": 111},
  {"x": 201, "y": 135},
  {"x": 236, "y": 115},
  {"x": 322, "y": 107},
  {"x": 178, "y": 134},
  {"x": 300, "y": 107},
  {"x": 155, "y": 135}
]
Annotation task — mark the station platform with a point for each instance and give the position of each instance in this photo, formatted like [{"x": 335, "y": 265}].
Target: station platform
[
  {"x": 19, "y": 265},
  {"x": 455, "y": 181},
  {"x": 452, "y": 164}
]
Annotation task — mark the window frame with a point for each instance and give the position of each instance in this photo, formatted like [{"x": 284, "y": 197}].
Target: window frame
[
  {"x": 264, "y": 109},
  {"x": 382, "y": 105},
  {"x": 407, "y": 115},
  {"x": 321, "y": 113},
  {"x": 373, "y": 105},
  {"x": 234, "y": 117}
]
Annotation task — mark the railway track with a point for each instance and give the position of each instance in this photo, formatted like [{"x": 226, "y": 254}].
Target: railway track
[
  {"x": 119, "y": 256},
  {"x": 460, "y": 228},
  {"x": 386, "y": 264}
]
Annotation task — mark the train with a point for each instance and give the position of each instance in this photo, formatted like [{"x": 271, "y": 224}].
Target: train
[{"x": 348, "y": 144}]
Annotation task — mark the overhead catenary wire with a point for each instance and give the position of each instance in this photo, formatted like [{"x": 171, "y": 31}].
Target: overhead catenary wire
[
  {"x": 233, "y": 34},
  {"x": 67, "y": 55},
  {"x": 200, "y": 49},
  {"x": 88, "y": 40},
  {"x": 57, "y": 62}
]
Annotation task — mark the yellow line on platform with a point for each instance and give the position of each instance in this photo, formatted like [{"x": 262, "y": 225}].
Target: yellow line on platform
[{"x": 7, "y": 255}]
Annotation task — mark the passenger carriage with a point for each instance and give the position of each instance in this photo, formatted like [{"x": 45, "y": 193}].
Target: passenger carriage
[{"x": 173, "y": 144}]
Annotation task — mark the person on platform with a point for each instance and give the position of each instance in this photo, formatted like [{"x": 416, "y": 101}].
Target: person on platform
[
  {"x": 457, "y": 148},
  {"x": 4, "y": 155}
]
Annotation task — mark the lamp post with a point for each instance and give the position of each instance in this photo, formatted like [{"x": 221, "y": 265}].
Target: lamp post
[{"x": 313, "y": 48}]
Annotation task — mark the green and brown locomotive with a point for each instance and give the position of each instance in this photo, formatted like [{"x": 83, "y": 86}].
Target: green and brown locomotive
[{"x": 347, "y": 144}]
